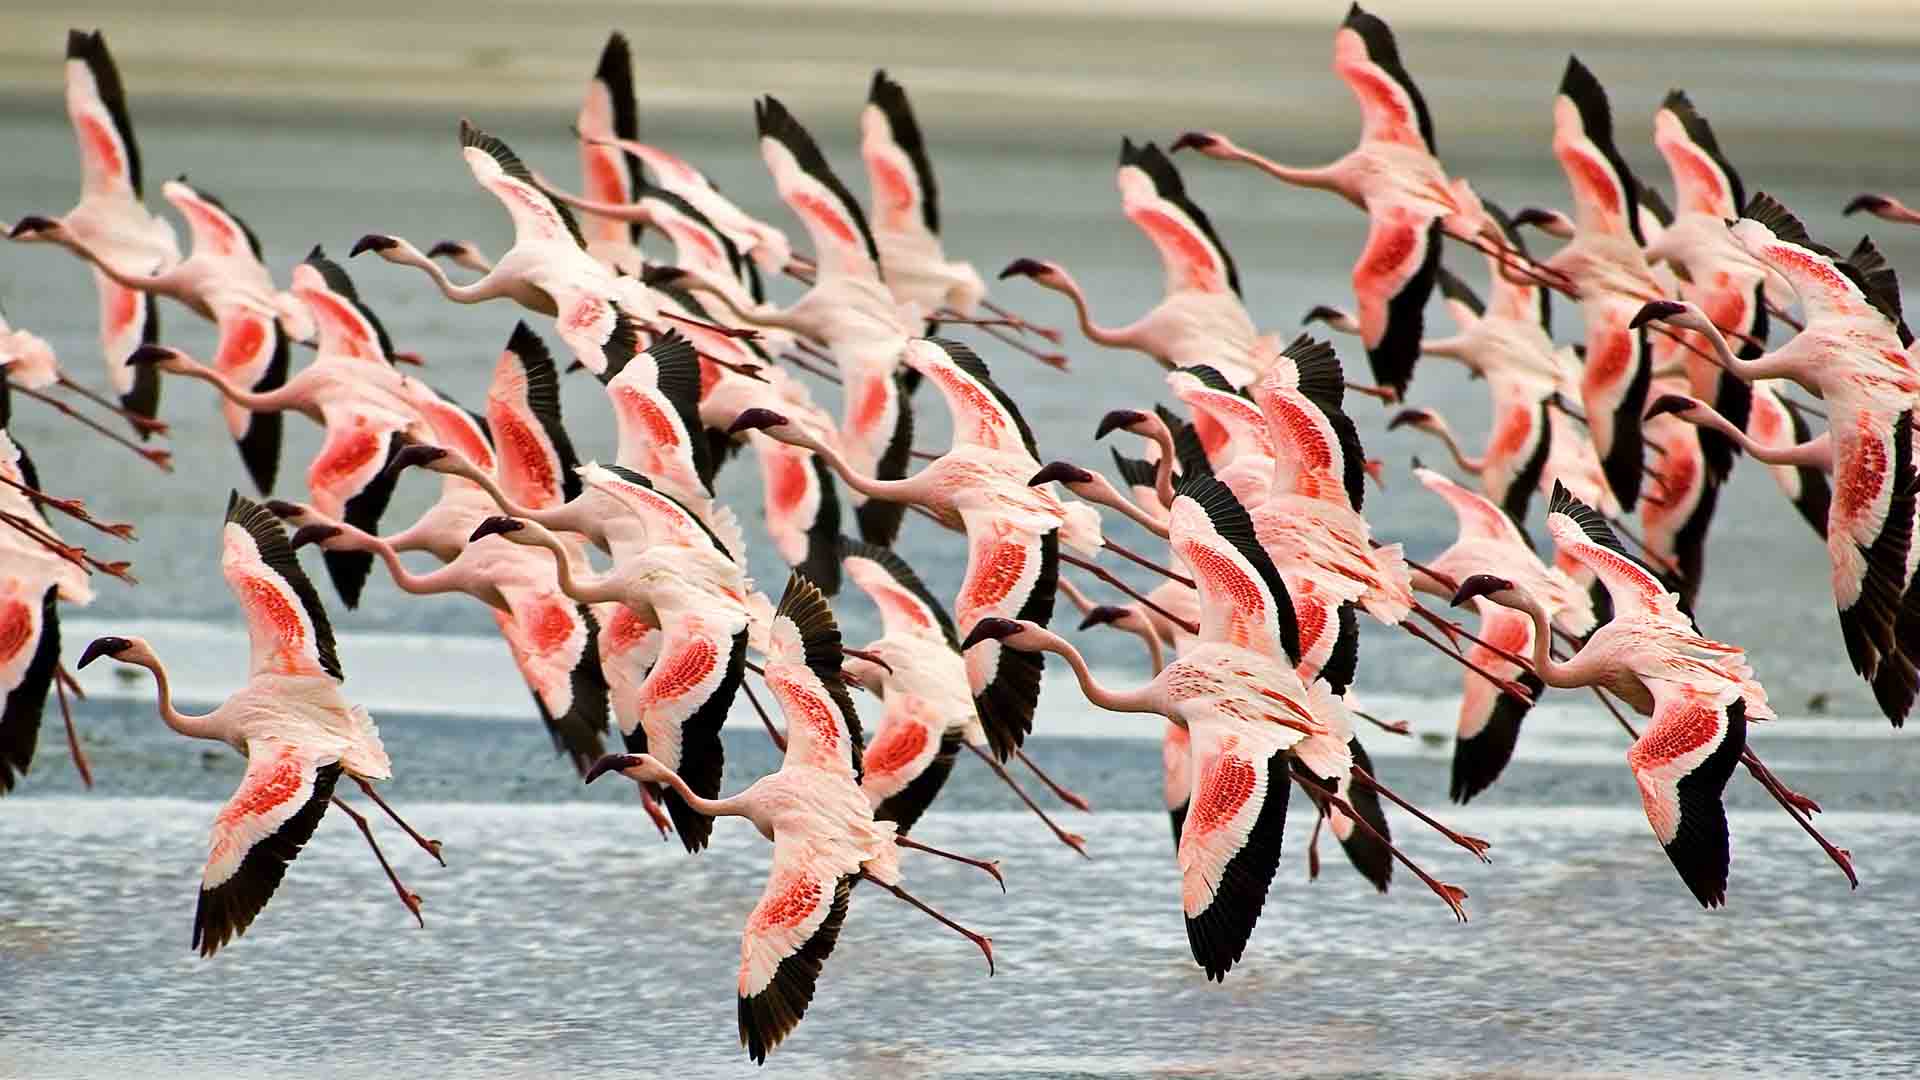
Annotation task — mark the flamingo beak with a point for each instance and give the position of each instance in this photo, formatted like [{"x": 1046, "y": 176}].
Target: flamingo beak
[
  {"x": 27, "y": 226},
  {"x": 1104, "y": 615},
  {"x": 870, "y": 657},
  {"x": 105, "y": 646},
  {"x": 990, "y": 629},
  {"x": 444, "y": 249},
  {"x": 1031, "y": 268},
  {"x": 1479, "y": 585},
  {"x": 498, "y": 525},
  {"x": 1193, "y": 140},
  {"x": 373, "y": 242},
  {"x": 1655, "y": 310},
  {"x": 1872, "y": 204},
  {"x": 150, "y": 354},
  {"x": 285, "y": 511},
  {"x": 756, "y": 420},
  {"x": 1119, "y": 418},
  {"x": 1670, "y": 403},
  {"x": 1321, "y": 313},
  {"x": 1409, "y": 416},
  {"x": 312, "y": 534},
  {"x": 413, "y": 454},
  {"x": 1532, "y": 215},
  {"x": 610, "y": 763},
  {"x": 1060, "y": 472},
  {"x": 662, "y": 275}
]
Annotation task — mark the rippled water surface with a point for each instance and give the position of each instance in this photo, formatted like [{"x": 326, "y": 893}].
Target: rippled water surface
[{"x": 563, "y": 938}]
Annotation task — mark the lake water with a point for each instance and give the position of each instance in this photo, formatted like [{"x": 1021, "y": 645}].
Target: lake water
[{"x": 564, "y": 937}]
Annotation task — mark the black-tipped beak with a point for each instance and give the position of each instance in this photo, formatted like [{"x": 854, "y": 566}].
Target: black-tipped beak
[
  {"x": 870, "y": 657},
  {"x": 149, "y": 354},
  {"x": 312, "y": 534},
  {"x": 1192, "y": 140},
  {"x": 1119, "y": 418},
  {"x": 1534, "y": 216},
  {"x": 1653, "y": 310},
  {"x": 1023, "y": 268},
  {"x": 1060, "y": 472},
  {"x": 99, "y": 647},
  {"x": 285, "y": 511},
  {"x": 1479, "y": 585},
  {"x": 610, "y": 763},
  {"x": 756, "y": 420},
  {"x": 372, "y": 242},
  {"x": 662, "y": 275},
  {"x": 498, "y": 525},
  {"x": 29, "y": 225},
  {"x": 415, "y": 454},
  {"x": 1408, "y": 416},
  {"x": 990, "y": 629},
  {"x": 447, "y": 248},
  {"x": 1669, "y": 403},
  {"x": 1321, "y": 313},
  {"x": 1102, "y": 616},
  {"x": 1872, "y": 204}
]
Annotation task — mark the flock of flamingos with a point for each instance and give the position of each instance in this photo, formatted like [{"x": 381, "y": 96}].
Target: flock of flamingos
[{"x": 1255, "y": 482}]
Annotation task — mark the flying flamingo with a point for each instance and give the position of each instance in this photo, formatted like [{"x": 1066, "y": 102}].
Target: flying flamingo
[
  {"x": 1700, "y": 692},
  {"x": 1885, "y": 207},
  {"x": 1395, "y": 178},
  {"x": 824, "y": 834},
  {"x": 225, "y": 281},
  {"x": 1853, "y": 354},
  {"x": 1201, "y": 319},
  {"x": 1244, "y": 709},
  {"x": 297, "y": 731},
  {"x": 1490, "y": 542},
  {"x": 921, "y": 677},
  {"x": 351, "y": 388},
  {"x": 111, "y": 220}
]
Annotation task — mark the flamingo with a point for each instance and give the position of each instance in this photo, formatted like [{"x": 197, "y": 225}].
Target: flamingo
[
  {"x": 1853, "y": 354},
  {"x": 824, "y": 834},
  {"x": 609, "y": 111},
  {"x": 1244, "y": 707},
  {"x": 921, "y": 677},
  {"x": 552, "y": 639},
  {"x": 1201, "y": 319},
  {"x": 680, "y": 581},
  {"x": 1605, "y": 268},
  {"x": 1699, "y": 692},
  {"x": 979, "y": 486},
  {"x": 298, "y": 732},
  {"x": 111, "y": 219},
  {"x": 548, "y": 270},
  {"x": 225, "y": 281},
  {"x": 351, "y": 388},
  {"x": 1395, "y": 178},
  {"x": 1884, "y": 207},
  {"x": 1490, "y": 542}
]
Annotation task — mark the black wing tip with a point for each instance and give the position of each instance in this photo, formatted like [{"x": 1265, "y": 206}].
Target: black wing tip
[
  {"x": 804, "y": 604},
  {"x": 904, "y": 576},
  {"x": 225, "y": 911},
  {"x": 768, "y": 1017},
  {"x": 1218, "y": 935}
]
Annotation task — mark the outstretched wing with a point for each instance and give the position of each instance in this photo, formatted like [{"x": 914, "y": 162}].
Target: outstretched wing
[
  {"x": 97, "y": 108},
  {"x": 1155, "y": 200},
  {"x": 983, "y": 414},
  {"x": 256, "y": 834},
  {"x": 905, "y": 196},
  {"x": 1580, "y": 532},
  {"x": 1011, "y": 574},
  {"x": 1391, "y": 283},
  {"x": 1367, "y": 59},
  {"x": 1230, "y": 840},
  {"x": 348, "y": 479},
  {"x": 807, "y": 184},
  {"x": 788, "y": 938},
  {"x": 536, "y": 217},
  {"x": 287, "y": 628},
  {"x": 1243, "y": 600},
  {"x": 1682, "y": 762},
  {"x": 29, "y": 651},
  {"x": 1605, "y": 193},
  {"x": 683, "y": 703},
  {"x": 609, "y": 111},
  {"x": 536, "y": 459},
  {"x": 906, "y": 605}
]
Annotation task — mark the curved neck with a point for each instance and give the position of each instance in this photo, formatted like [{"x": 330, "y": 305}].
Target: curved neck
[
  {"x": 251, "y": 400},
  {"x": 906, "y": 489},
  {"x": 732, "y": 806},
  {"x": 1723, "y": 353},
  {"x": 1816, "y": 452},
  {"x": 1326, "y": 177},
  {"x": 1123, "y": 337},
  {"x": 1163, "y": 469},
  {"x": 1104, "y": 493},
  {"x": 1551, "y": 671},
  {"x": 1444, "y": 433},
  {"x": 484, "y": 289},
  {"x": 1155, "y": 656},
  {"x": 632, "y": 213},
  {"x": 1141, "y": 700},
  {"x": 195, "y": 727},
  {"x": 587, "y": 589}
]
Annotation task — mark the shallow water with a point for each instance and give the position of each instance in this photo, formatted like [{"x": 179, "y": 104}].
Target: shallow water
[{"x": 565, "y": 938}]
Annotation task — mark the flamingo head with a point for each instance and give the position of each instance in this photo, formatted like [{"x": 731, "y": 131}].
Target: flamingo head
[
  {"x": 35, "y": 229},
  {"x": 1211, "y": 143},
  {"x": 1418, "y": 419},
  {"x": 424, "y": 455},
  {"x": 1495, "y": 588},
  {"x": 461, "y": 254},
  {"x": 312, "y": 534},
  {"x": 644, "y": 768},
  {"x": 757, "y": 420},
  {"x": 1868, "y": 201},
  {"x": 1325, "y": 313},
  {"x": 1677, "y": 404},
  {"x": 1061, "y": 472},
  {"x": 1659, "y": 311},
  {"x": 284, "y": 510},
  {"x": 1115, "y": 615},
  {"x": 159, "y": 356},
  {"x": 1129, "y": 420},
  {"x": 378, "y": 243},
  {"x": 1016, "y": 633},
  {"x": 1551, "y": 222},
  {"x": 1041, "y": 271},
  {"x": 498, "y": 525},
  {"x": 126, "y": 650}
]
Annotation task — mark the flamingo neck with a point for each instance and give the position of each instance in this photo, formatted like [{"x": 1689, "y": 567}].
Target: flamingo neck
[
  {"x": 732, "y": 806},
  {"x": 1124, "y": 337},
  {"x": 591, "y": 589},
  {"x": 188, "y": 724},
  {"x": 1107, "y": 495},
  {"x": 248, "y": 399},
  {"x": 907, "y": 489},
  {"x": 1550, "y": 671},
  {"x": 1163, "y": 469},
  {"x": 1325, "y": 178},
  {"x": 1130, "y": 701},
  {"x": 1445, "y": 434},
  {"x": 484, "y": 289}
]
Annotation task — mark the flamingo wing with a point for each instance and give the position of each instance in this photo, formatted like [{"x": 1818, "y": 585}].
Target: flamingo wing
[
  {"x": 1391, "y": 283},
  {"x": 1012, "y": 573},
  {"x": 1156, "y": 201},
  {"x": 129, "y": 318},
  {"x": 1367, "y": 59},
  {"x": 609, "y": 111},
  {"x": 788, "y": 937},
  {"x": 216, "y": 230},
  {"x": 1581, "y": 533},
  {"x": 97, "y": 108},
  {"x": 909, "y": 760},
  {"x": 1605, "y": 193},
  {"x": 879, "y": 425},
  {"x": 1772, "y": 422},
  {"x": 537, "y": 219},
  {"x": 346, "y": 326},
  {"x": 807, "y": 184},
  {"x": 1827, "y": 285},
  {"x": 905, "y": 195},
  {"x": 1478, "y": 517},
  {"x": 1176, "y": 776},
  {"x": 1230, "y": 416},
  {"x": 536, "y": 462},
  {"x": 1243, "y": 601},
  {"x": 1613, "y": 387},
  {"x": 907, "y": 606},
  {"x": 1230, "y": 841},
  {"x": 253, "y": 353},
  {"x": 1489, "y": 726},
  {"x": 349, "y": 479},
  {"x": 697, "y": 242},
  {"x": 287, "y": 628},
  {"x": 455, "y": 428},
  {"x": 1366, "y": 848},
  {"x": 983, "y": 414},
  {"x": 802, "y": 510},
  {"x": 803, "y": 673},
  {"x": 554, "y": 642},
  {"x": 1704, "y": 181},
  {"x": 656, "y": 405},
  {"x": 257, "y": 833},
  {"x": 603, "y": 335},
  {"x": 1870, "y": 531},
  {"x": 1682, "y": 763},
  {"x": 682, "y": 705},
  {"x": 29, "y": 651}
]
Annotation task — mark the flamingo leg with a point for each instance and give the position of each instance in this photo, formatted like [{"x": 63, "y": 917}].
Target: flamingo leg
[
  {"x": 1072, "y": 840},
  {"x": 1451, "y": 629},
  {"x": 73, "y": 736},
  {"x": 779, "y": 740},
  {"x": 807, "y": 365},
  {"x": 985, "y": 943},
  {"x": 144, "y": 425},
  {"x": 1101, "y": 573},
  {"x": 162, "y": 458},
  {"x": 1506, "y": 686},
  {"x": 1397, "y": 727},
  {"x": 409, "y": 898},
  {"x": 712, "y": 328},
  {"x": 1313, "y": 842},
  {"x": 1452, "y": 894},
  {"x": 1064, "y": 795},
  {"x": 1057, "y": 361},
  {"x": 1471, "y": 843},
  {"x": 1169, "y": 574},
  {"x": 991, "y": 866},
  {"x": 432, "y": 847},
  {"x": 654, "y": 810},
  {"x": 1049, "y": 333}
]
